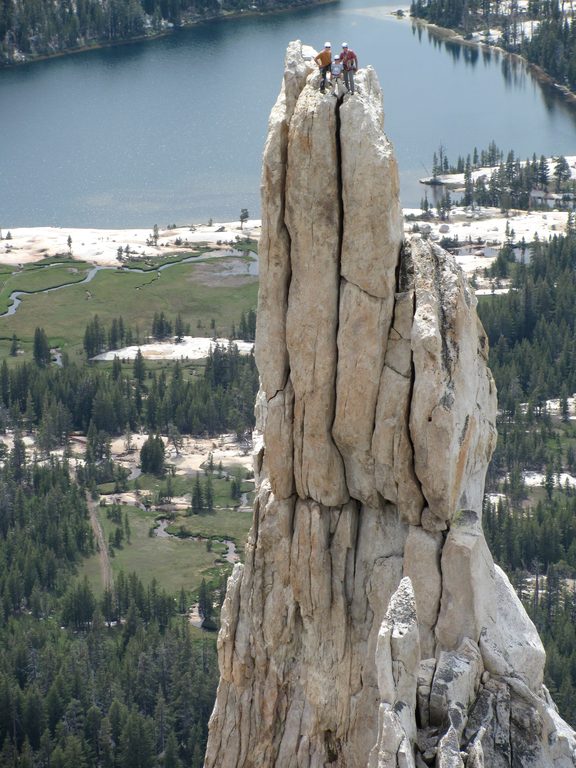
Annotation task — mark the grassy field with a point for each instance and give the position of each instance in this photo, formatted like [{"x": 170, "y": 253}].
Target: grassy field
[
  {"x": 211, "y": 296},
  {"x": 35, "y": 278},
  {"x": 182, "y": 485},
  {"x": 230, "y": 524},
  {"x": 209, "y": 301},
  {"x": 173, "y": 562},
  {"x": 177, "y": 560}
]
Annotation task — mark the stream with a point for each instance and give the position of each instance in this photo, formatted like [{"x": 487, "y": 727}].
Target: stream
[
  {"x": 161, "y": 532},
  {"x": 244, "y": 268}
]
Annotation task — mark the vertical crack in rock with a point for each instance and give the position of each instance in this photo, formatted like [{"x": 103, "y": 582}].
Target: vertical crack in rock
[
  {"x": 434, "y": 624},
  {"x": 404, "y": 476},
  {"x": 410, "y": 396},
  {"x": 339, "y": 178},
  {"x": 369, "y": 626},
  {"x": 447, "y": 357},
  {"x": 339, "y": 192},
  {"x": 371, "y": 241}
]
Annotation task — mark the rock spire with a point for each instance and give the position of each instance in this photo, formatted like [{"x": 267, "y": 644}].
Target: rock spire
[{"x": 369, "y": 626}]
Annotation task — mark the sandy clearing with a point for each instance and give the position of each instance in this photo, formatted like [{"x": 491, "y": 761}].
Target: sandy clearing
[
  {"x": 100, "y": 246},
  {"x": 191, "y": 348},
  {"x": 479, "y": 233},
  {"x": 491, "y": 227},
  {"x": 190, "y": 458}
]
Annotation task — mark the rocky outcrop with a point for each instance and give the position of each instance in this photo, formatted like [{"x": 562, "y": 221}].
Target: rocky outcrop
[{"x": 368, "y": 626}]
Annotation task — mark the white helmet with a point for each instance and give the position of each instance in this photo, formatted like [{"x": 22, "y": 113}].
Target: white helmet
[
  {"x": 327, "y": 45},
  {"x": 344, "y": 45}
]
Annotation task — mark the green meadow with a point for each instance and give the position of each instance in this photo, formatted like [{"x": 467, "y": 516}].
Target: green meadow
[
  {"x": 210, "y": 295},
  {"x": 35, "y": 278},
  {"x": 175, "y": 562},
  {"x": 230, "y": 524},
  {"x": 209, "y": 298}
]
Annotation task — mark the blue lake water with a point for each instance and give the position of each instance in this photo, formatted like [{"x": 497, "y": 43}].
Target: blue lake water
[{"x": 172, "y": 130}]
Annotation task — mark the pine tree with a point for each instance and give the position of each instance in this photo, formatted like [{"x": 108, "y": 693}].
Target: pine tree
[
  {"x": 205, "y": 607},
  {"x": 136, "y": 742},
  {"x": 152, "y": 456},
  {"x": 197, "y": 501},
  {"x": 179, "y": 328},
  {"x": 139, "y": 368},
  {"x": 209, "y": 495},
  {"x": 41, "y": 348},
  {"x": 171, "y": 759}
]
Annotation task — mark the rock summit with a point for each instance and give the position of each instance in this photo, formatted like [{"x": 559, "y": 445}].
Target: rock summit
[{"x": 369, "y": 626}]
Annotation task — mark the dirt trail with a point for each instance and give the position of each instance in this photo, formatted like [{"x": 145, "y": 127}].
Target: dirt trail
[{"x": 103, "y": 556}]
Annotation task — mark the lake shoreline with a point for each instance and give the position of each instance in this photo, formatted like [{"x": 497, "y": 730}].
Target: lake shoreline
[
  {"x": 103, "y": 45},
  {"x": 102, "y": 246},
  {"x": 447, "y": 34},
  {"x": 135, "y": 166},
  {"x": 489, "y": 226}
]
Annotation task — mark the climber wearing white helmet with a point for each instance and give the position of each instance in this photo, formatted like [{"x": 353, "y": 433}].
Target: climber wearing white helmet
[
  {"x": 350, "y": 61},
  {"x": 324, "y": 61},
  {"x": 336, "y": 71}
]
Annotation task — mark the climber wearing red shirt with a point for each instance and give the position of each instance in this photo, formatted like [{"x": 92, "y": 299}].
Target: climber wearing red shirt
[{"x": 350, "y": 61}]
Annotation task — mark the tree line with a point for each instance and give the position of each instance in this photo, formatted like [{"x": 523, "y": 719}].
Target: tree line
[
  {"x": 58, "y": 400},
  {"x": 551, "y": 44},
  {"x": 31, "y": 28},
  {"x": 537, "y": 547},
  {"x": 100, "y": 337},
  {"x": 106, "y": 682},
  {"x": 532, "y": 328},
  {"x": 509, "y": 182},
  {"x": 532, "y": 534}
]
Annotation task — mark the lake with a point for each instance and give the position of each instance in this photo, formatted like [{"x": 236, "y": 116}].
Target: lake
[{"x": 172, "y": 130}]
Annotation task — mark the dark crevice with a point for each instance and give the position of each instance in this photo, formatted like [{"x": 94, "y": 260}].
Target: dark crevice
[
  {"x": 410, "y": 397},
  {"x": 339, "y": 177},
  {"x": 279, "y": 391},
  {"x": 340, "y": 203},
  {"x": 405, "y": 269},
  {"x": 433, "y": 627},
  {"x": 289, "y": 259},
  {"x": 390, "y": 327},
  {"x": 350, "y": 566},
  {"x": 447, "y": 357},
  {"x": 359, "y": 518},
  {"x": 398, "y": 271},
  {"x": 255, "y": 525},
  {"x": 332, "y": 747},
  {"x": 300, "y": 437}
]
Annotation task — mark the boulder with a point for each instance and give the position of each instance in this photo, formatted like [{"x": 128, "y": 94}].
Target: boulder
[{"x": 468, "y": 583}]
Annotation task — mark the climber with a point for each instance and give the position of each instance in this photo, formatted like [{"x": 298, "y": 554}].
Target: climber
[
  {"x": 336, "y": 72},
  {"x": 350, "y": 61},
  {"x": 324, "y": 61}
]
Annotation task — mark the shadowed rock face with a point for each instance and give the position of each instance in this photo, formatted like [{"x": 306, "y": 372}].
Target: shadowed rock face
[{"x": 369, "y": 627}]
